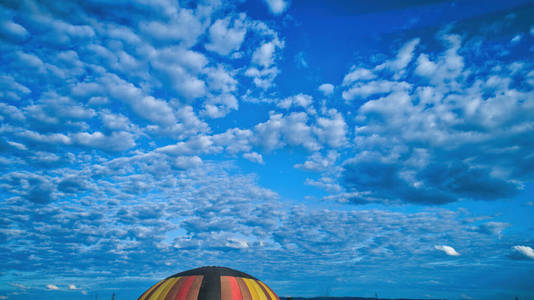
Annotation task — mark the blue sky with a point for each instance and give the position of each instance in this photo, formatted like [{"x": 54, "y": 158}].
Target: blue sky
[{"x": 335, "y": 148}]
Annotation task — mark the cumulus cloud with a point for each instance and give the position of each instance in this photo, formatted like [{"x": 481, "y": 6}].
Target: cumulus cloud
[
  {"x": 331, "y": 129},
  {"x": 366, "y": 89},
  {"x": 277, "y": 7},
  {"x": 117, "y": 141},
  {"x": 265, "y": 55},
  {"x": 522, "y": 253},
  {"x": 403, "y": 58},
  {"x": 516, "y": 39},
  {"x": 358, "y": 74},
  {"x": 186, "y": 162},
  {"x": 220, "y": 106},
  {"x": 282, "y": 130},
  {"x": 227, "y": 35},
  {"x": 301, "y": 100},
  {"x": 447, "y": 250},
  {"x": 13, "y": 30},
  {"x": 421, "y": 145},
  {"x": 326, "y": 89},
  {"x": 447, "y": 67},
  {"x": 254, "y": 157},
  {"x": 495, "y": 228},
  {"x": 317, "y": 162}
]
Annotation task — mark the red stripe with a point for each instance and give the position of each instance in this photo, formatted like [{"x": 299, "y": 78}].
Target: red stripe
[
  {"x": 236, "y": 291},
  {"x": 184, "y": 289}
]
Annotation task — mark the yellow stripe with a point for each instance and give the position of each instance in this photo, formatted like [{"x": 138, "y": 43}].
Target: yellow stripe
[
  {"x": 163, "y": 289},
  {"x": 255, "y": 290},
  {"x": 273, "y": 297},
  {"x": 143, "y": 297},
  {"x": 252, "y": 290}
]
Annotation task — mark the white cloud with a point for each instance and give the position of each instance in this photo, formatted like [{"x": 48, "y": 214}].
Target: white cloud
[
  {"x": 253, "y": 157},
  {"x": 18, "y": 146},
  {"x": 300, "y": 60},
  {"x": 318, "y": 163},
  {"x": 219, "y": 106},
  {"x": 277, "y": 6},
  {"x": 366, "y": 89},
  {"x": 11, "y": 89},
  {"x": 225, "y": 38},
  {"x": 280, "y": 130},
  {"x": 54, "y": 138},
  {"x": 114, "y": 121},
  {"x": 220, "y": 80},
  {"x": 522, "y": 252},
  {"x": 448, "y": 66},
  {"x": 13, "y": 30},
  {"x": 187, "y": 162},
  {"x": 357, "y": 74},
  {"x": 265, "y": 54},
  {"x": 52, "y": 287},
  {"x": 495, "y": 228},
  {"x": 262, "y": 78},
  {"x": 331, "y": 130},
  {"x": 180, "y": 69},
  {"x": 404, "y": 56},
  {"x": 326, "y": 89},
  {"x": 301, "y": 100},
  {"x": 516, "y": 39},
  {"x": 155, "y": 110},
  {"x": 195, "y": 145},
  {"x": 73, "y": 287},
  {"x": 326, "y": 183},
  {"x": 447, "y": 250},
  {"x": 234, "y": 140},
  {"x": 117, "y": 141},
  {"x": 425, "y": 67},
  {"x": 184, "y": 26}
]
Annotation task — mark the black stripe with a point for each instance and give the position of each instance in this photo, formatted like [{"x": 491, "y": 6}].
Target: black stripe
[
  {"x": 210, "y": 289},
  {"x": 219, "y": 271}
]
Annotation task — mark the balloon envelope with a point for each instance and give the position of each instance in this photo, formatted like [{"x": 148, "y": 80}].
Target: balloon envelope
[{"x": 210, "y": 283}]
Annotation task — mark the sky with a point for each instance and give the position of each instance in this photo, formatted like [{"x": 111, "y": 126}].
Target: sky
[{"x": 328, "y": 148}]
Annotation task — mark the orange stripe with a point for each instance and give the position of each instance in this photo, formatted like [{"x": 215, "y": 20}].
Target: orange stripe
[
  {"x": 236, "y": 291},
  {"x": 226, "y": 290},
  {"x": 174, "y": 290},
  {"x": 184, "y": 289},
  {"x": 195, "y": 288},
  {"x": 265, "y": 292},
  {"x": 244, "y": 288}
]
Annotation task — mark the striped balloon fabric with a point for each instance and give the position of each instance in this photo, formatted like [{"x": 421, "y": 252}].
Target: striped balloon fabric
[{"x": 210, "y": 283}]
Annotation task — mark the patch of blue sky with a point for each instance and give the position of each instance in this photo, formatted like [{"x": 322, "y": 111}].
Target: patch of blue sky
[{"x": 269, "y": 136}]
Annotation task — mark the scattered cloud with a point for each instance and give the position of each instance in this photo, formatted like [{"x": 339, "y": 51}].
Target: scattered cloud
[
  {"x": 326, "y": 89},
  {"x": 277, "y": 7},
  {"x": 447, "y": 250},
  {"x": 254, "y": 157},
  {"x": 52, "y": 287},
  {"x": 227, "y": 35},
  {"x": 522, "y": 253}
]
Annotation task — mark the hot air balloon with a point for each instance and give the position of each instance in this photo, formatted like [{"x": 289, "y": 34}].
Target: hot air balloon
[{"x": 210, "y": 283}]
